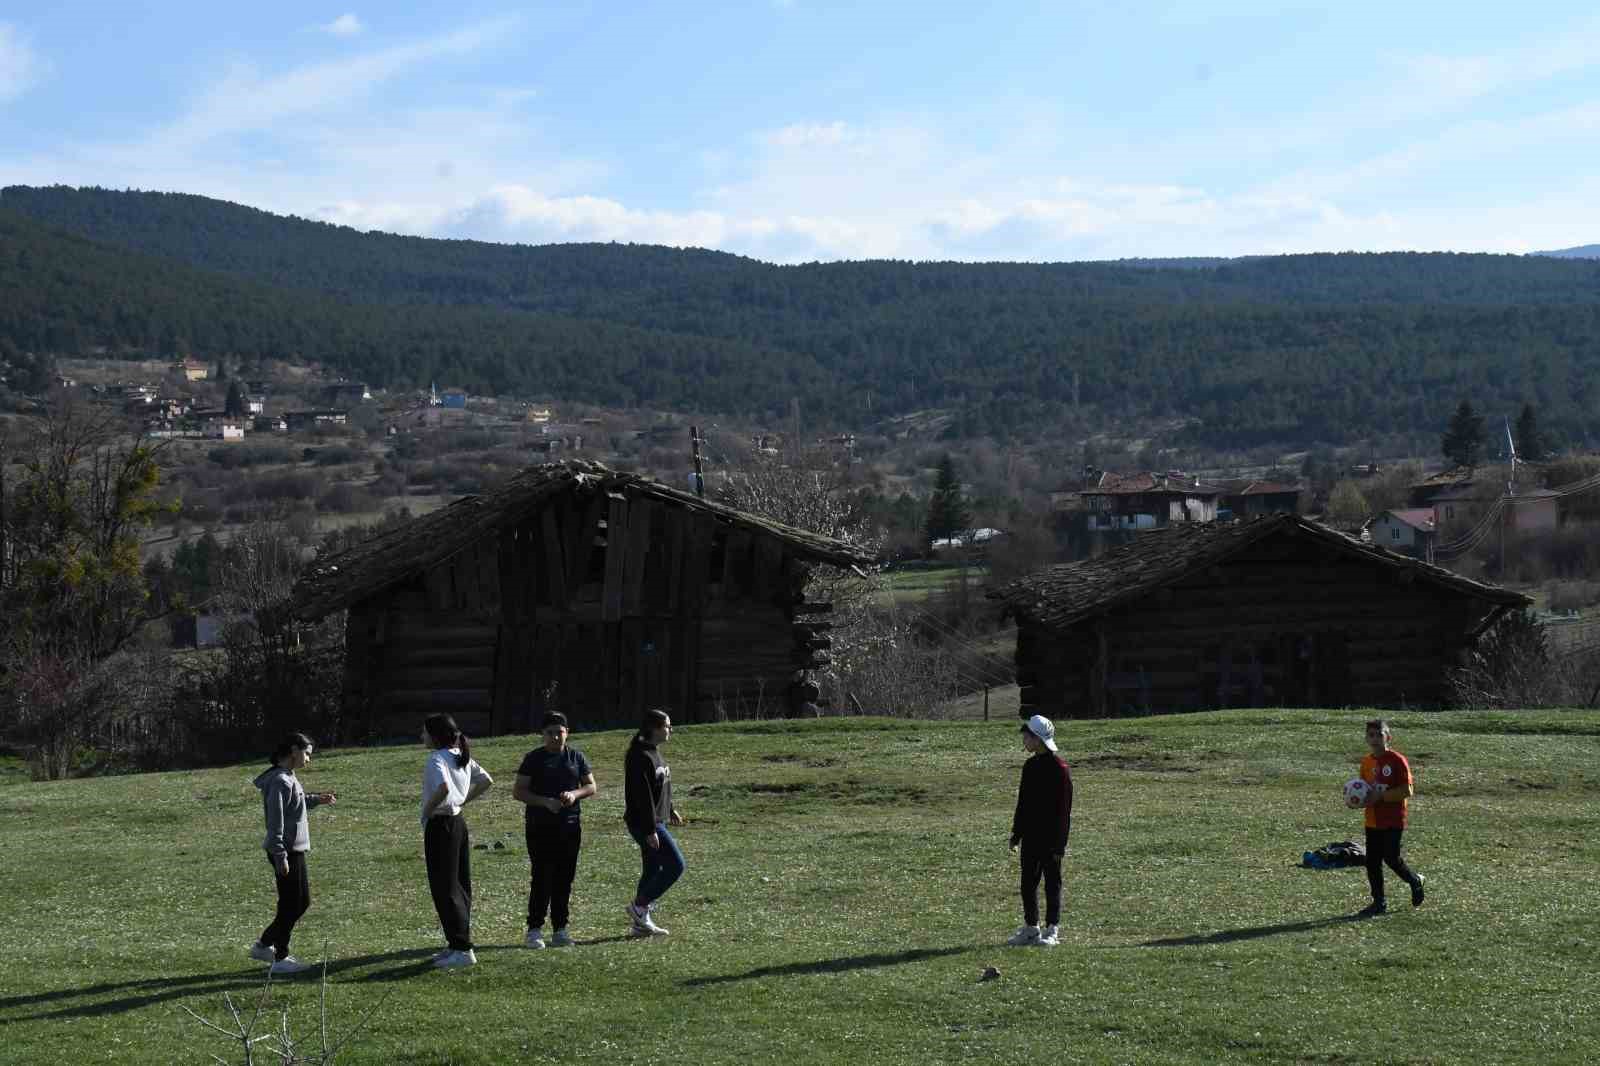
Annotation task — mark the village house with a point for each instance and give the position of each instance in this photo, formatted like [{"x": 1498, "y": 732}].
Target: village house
[
  {"x": 1248, "y": 498},
  {"x": 255, "y": 405},
  {"x": 1148, "y": 501},
  {"x": 270, "y": 424},
  {"x": 578, "y": 588},
  {"x": 1462, "y": 497},
  {"x": 1411, "y": 531},
  {"x": 1279, "y": 611},
  {"x": 192, "y": 370}
]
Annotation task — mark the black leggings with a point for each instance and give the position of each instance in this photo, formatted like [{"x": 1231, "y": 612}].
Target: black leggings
[
  {"x": 294, "y": 897},
  {"x": 1035, "y": 864},
  {"x": 446, "y": 851},
  {"x": 552, "y": 866},
  {"x": 1383, "y": 846}
]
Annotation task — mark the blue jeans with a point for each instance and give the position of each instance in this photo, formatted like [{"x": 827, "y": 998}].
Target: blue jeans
[{"x": 662, "y": 866}]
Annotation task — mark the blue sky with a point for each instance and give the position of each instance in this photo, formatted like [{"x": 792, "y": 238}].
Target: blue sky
[{"x": 793, "y": 130}]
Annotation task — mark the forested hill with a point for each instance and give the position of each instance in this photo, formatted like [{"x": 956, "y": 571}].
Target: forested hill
[
  {"x": 64, "y": 295},
  {"x": 647, "y": 281},
  {"x": 1286, "y": 349}
]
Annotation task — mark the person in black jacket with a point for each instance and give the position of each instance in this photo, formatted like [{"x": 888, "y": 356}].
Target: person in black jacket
[
  {"x": 648, "y": 810},
  {"x": 1041, "y": 826},
  {"x": 553, "y": 781}
]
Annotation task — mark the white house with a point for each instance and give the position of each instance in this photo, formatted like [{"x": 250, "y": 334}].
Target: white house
[{"x": 1409, "y": 532}]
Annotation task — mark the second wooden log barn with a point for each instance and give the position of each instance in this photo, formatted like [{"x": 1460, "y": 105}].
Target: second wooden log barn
[
  {"x": 1274, "y": 612},
  {"x": 575, "y": 588}
]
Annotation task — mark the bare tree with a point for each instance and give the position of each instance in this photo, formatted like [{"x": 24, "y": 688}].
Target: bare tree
[
  {"x": 271, "y": 674},
  {"x": 881, "y": 664},
  {"x": 264, "y": 1038}
]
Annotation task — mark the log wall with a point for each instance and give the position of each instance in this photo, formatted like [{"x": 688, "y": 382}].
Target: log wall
[
  {"x": 1285, "y": 624},
  {"x": 598, "y": 605}
]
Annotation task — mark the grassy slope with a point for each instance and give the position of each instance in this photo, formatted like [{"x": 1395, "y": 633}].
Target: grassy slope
[{"x": 847, "y": 882}]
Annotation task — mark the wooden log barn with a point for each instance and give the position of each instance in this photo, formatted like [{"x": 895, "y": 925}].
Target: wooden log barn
[
  {"x": 1277, "y": 611},
  {"x": 580, "y": 589}
]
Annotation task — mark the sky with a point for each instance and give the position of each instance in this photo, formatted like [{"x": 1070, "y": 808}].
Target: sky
[{"x": 799, "y": 130}]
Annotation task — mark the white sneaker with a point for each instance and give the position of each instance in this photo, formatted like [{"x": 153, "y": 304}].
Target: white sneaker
[
  {"x": 437, "y": 955},
  {"x": 643, "y": 923},
  {"x": 457, "y": 958},
  {"x": 561, "y": 939},
  {"x": 534, "y": 939},
  {"x": 288, "y": 966},
  {"x": 1049, "y": 936},
  {"x": 262, "y": 952},
  {"x": 1024, "y": 937}
]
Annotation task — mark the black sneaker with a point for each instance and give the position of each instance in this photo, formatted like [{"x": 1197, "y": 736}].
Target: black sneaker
[
  {"x": 1417, "y": 895},
  {"x": 1373, "y": 909}
]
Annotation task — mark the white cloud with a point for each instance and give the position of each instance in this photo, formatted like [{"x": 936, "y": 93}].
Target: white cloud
[
  {"x": 247, "y": 100},
  {"x": 346, "y": 25},
  {"x": 325, "y": 140},
  {"x": 20, "y": 67}
]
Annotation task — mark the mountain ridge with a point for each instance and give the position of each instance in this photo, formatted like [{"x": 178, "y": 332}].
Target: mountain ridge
[{"x": 1293, "y": 349}]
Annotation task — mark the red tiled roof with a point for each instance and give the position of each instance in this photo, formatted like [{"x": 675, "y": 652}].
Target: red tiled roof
[{"x": 1416, "y": 517}]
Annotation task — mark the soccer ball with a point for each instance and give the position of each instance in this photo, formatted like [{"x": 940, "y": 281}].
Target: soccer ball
[{"x": 1355, "y": 792}]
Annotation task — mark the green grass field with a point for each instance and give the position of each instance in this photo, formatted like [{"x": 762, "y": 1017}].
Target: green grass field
[
  {"x": 913, "y": 585},
  {"x": 848, "y": 880}
]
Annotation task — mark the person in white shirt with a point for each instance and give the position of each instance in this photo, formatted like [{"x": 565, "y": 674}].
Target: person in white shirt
[{"x": 451, "y": 779}]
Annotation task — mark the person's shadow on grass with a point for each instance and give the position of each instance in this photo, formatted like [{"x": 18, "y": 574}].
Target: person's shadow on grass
[
  {"x": 842, "y": 965},
  {"x": 150, "y": 991},
  {"x": 1253, "y": 932}
]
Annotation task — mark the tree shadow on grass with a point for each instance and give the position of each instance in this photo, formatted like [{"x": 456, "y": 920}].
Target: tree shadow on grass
[
  {"x": 1254, "y": 932},
  {"x": 145, "y": 993},
  {"x": 844, "y": 965}
]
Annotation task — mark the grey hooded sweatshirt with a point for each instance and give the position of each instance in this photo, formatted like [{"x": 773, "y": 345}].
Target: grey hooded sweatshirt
[{"x": 286, "y": 805}]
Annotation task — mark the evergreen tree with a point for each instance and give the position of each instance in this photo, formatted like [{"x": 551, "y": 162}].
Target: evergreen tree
[
  {"x": 220, "y": 374},
  {"x": 947, "y": 509},
  {"x": 1530, "y": 445},
  {"x": 1463, "y": 441},
  {"x": 234, "y": 406}
]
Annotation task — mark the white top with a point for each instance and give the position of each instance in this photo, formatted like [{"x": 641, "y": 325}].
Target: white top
[{"x": 441, "y": 769}]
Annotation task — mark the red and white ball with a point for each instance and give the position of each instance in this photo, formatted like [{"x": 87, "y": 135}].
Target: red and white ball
[{"x": 1356, "y": 792}]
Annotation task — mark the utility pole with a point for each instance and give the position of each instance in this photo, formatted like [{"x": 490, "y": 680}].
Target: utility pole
[{"x": 699, "y": 473}]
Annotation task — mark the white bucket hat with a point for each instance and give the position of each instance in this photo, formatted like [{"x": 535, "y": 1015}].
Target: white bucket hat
[{"x": 1043, "y": 728}]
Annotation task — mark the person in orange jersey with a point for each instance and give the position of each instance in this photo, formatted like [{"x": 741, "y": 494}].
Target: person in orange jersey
[{"x": 1389, "y": 786}]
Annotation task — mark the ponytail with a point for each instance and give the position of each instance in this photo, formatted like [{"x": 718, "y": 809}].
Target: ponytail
[{"x": 444, "y": 733}]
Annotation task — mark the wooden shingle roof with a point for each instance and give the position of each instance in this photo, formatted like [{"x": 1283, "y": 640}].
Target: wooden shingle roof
[
  {"x": 422, "y": 543},
  {"x": 1060, "y": 596}
]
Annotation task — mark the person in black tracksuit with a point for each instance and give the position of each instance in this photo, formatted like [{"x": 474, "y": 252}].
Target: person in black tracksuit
[
  {"x": 648, "y": 810},
  {"x": 1041, "y": 825},
  {"x": 553, "y": 781}
]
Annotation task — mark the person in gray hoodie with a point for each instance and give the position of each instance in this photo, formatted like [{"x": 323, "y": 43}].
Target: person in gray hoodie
[{"x": 288, "y": 840}]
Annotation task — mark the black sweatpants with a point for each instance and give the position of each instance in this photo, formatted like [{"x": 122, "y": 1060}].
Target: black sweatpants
[
  {"x": 553, "y": 863},
  {"x": 1383, "y": 846},
  {"x": 447, "y": 853},
  {"x": 294, "y": 898},
  {"x": 1036, "y": 863}
]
